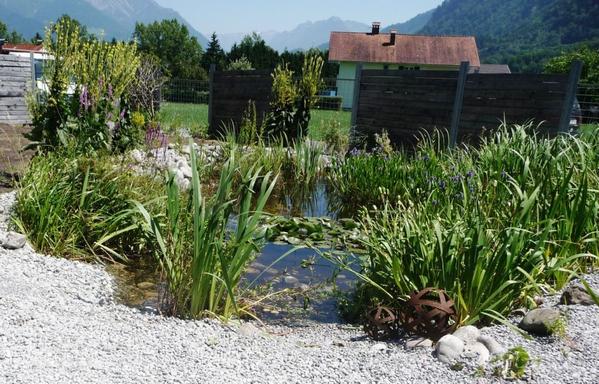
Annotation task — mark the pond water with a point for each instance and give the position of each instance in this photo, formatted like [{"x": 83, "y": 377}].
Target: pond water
[{"x": 304, "y": 283}]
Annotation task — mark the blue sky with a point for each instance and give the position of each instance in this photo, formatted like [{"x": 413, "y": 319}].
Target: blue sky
[{"x": 226, "y": 16}]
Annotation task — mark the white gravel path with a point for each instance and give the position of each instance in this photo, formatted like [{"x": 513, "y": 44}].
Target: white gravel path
[{"x": 60, "y": 324}]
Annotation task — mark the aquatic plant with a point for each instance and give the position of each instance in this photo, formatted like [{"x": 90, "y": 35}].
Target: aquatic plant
[
  {"x": 491, "y": 225},
  {"x": 203, "y": 259}
]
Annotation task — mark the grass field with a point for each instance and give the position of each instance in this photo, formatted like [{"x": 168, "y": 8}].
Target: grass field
[{"x": 195, "y": 118}]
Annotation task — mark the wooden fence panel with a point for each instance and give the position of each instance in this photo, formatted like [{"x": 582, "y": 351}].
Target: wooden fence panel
[
  {"x": 404, "y": 102},
  {"x": 408, "y": 103},
  {"x": 515, "y": 98},
  {"x": 15, "y": 83},
  {"x": 231, "y": 91}
]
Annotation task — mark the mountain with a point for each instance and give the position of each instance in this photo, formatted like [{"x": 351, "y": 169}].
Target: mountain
[
  {"x": 412, "y": 26},
  {"x": 112, "y": 18},
  {"x": 312, "y": 34},
  {"x": 520, "y": 33},
  {"x": 305, "y": 36}
]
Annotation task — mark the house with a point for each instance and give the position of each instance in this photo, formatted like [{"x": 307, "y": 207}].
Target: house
[
  {"x": 394, "y": 51},
  {"x": 35, "y": 52}
]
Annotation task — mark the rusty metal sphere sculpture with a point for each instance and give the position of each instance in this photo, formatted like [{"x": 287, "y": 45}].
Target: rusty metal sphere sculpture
[
  {"x": 429, "y": 313},
  {"x": 381, "y": 323}
]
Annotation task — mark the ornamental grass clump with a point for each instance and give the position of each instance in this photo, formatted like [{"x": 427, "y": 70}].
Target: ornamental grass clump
[
  {"x": 492, "y": 225},
  {"x": 201, "y": 252},
  {"x": 72, "y": 206}
]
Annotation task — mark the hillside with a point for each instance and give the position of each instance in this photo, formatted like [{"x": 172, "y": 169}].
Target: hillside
[
  {"x": 113, "y": 18},
  {"x": 414, "y": 25},
  {"x": 520, "y": 33}
]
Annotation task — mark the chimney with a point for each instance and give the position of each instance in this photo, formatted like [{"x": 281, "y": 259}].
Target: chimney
[
  {"x": 393, "y": 34},
  {"x": 376, "y": 27}
]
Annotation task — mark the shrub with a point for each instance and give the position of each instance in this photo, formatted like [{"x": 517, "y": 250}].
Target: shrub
[
  {"x": 292, "y": 100},
  {"x": 96, "y": 115}
]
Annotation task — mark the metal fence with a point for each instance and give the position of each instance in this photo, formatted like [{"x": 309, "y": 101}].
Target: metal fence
[
  {"x": 186, "y": 91},
  {"x": 334, "y": 94},
  {"x": 586, "y": 107}
]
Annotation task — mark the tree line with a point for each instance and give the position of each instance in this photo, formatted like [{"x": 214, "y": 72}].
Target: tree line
[{"x": 182, "y": 56}]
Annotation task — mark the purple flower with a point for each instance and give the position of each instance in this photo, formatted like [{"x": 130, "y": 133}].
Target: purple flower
[
  {"x": 84, "y": 100},
  {"x": 110, "y": 91},
  {"x": 355, "y": 152},
  {"x": 470, "y": 174}
]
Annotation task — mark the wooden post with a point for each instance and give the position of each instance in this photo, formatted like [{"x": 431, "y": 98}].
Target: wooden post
[
  {"x": 457, "y": 104},
  {"x": 356, "y": 101},
  {"x": 575, "y": 71},
  {"x": 211, "y": 128},
  {"x": 33, "y": 80}
]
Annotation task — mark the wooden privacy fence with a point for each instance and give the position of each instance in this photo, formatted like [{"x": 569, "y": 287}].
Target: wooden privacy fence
[
  {"x": 405, "y": 103},
  {"x": 15, "y": 82},
  {"x": 230, "y": 93}
]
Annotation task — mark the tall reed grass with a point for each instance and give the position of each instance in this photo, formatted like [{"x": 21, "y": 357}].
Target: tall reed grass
[
  {"x": 202, "y": 257},
  {"x": 68, "y": 204},
  {"x": 491, "y": 224}
]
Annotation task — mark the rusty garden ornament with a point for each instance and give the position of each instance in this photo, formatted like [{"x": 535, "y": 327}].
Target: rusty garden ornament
[
  {"x": 429, "y": 313},
  {"x": 381, "y": 323}
]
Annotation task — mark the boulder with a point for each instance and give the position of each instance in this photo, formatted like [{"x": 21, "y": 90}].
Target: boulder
[
  {"x": 468, "y": 334},
  {"x": 540, "y": 321},
  {"x": 492, "y": 345},
  {"x": 449, "y": 348},
  {"x": 13, "y": 240},
  {"x": 477, "y": 350},
  {"x": 576, "y": 295}
]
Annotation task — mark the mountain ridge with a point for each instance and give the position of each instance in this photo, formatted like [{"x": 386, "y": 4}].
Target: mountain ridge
[{"x": 110, "y": 18}]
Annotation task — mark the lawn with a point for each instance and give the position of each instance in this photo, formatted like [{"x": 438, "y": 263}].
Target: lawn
[{"x": 195, "y": 118}]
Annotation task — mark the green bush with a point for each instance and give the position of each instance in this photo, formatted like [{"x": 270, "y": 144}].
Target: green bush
[{"x": 86, "y": 106}]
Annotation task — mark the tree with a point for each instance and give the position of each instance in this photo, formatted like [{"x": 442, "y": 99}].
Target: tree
[
  {"x": 590, "y": 62},
  {"x": 214, "y": 54},
  {"x": 12, "y": 36},
  {"x": 37, "y": 38},
  {"x": 179, "y": 53},
  {"x": 254, "y": 48}
]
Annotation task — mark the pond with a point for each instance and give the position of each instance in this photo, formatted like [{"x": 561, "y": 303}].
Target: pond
[{"x": 302, "y": 285}]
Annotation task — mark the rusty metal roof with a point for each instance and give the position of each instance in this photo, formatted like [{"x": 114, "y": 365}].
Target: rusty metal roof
[
  {"x": 408, "y": 49},
  {"x": 23, "y": 47}
]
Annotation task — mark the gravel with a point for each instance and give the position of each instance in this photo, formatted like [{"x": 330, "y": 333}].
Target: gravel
[{"x": 59, "y": 323}]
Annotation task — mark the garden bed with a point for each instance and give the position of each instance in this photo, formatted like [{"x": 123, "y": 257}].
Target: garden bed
[{"x": 60, "y": 321}]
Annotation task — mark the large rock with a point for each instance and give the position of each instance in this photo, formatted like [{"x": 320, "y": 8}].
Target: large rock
[
  {"x": 576, "y": 295},
  {"x": 492, "y": 345},
  {"x": 449, "y": 348},
  {"x": 468, "y": 334},
  {"x": 540, "y": 321},
  {"x": 477, "y": 350},
  {"x": 13, "y": 240}
]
